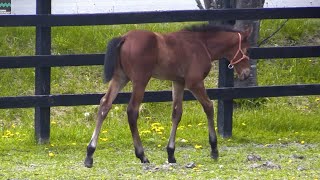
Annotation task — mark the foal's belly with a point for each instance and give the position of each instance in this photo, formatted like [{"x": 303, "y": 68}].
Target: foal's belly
[{"x": 167, "y": 73}]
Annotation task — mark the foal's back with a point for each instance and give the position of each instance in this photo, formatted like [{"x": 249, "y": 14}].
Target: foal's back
[{"x": 172, "y": 56}]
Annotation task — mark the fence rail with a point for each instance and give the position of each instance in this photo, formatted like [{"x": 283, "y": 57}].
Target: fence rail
[
  {"x": 97, "y": 59},
  {"x": 158, "y": 96},
  {"x": 43, "y": 61},
  {"x": 158, "y": 17}
]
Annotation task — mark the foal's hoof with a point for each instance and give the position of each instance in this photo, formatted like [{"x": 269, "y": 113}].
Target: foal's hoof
[
  {"x": 145, "y": 161},
  {"x": 172, "y": 160},
  {"x": 88, "y": 162},
  {"x": 215, "y": 154}
]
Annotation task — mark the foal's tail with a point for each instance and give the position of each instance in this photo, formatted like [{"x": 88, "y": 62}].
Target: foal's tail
[{"x": 111, "y": 57}]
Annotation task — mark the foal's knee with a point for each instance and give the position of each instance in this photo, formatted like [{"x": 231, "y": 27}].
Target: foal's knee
[
  {"x": 208, "y": 106},
  {"x": 132, "y": 113}
]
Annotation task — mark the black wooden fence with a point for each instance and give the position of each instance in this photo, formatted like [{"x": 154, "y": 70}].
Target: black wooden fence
[{"x": 43, "y": 61}]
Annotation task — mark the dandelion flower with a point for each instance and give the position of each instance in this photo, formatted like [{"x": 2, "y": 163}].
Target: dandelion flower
[
  {"x": 200, "y": 124},
  {"x": 53, "y": 122},
  {"x": 104, "y": 139},
  {"x": 13, "y": 126},
  {"x": 243, "y": 124},
  {"x": 104, "y": 131},
  {"x": 74, "y": 143},
  {"x": 302, "y": 142},
  {"x": 51, "y": 154},
  {"x": 159, "y": 145},
  {"x": 198, "y": 146}
]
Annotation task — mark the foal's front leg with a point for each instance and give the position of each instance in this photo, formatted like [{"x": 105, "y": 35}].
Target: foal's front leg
[
  {"x": 177, "y": 97},
  {"x": 198, "y": 90}
]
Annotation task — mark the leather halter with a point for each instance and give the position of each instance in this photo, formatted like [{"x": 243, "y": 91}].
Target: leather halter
[{"x": 233, "y": 61}]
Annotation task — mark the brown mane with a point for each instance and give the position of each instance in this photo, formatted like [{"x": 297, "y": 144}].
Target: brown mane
[{"x": 209, "y": 28}]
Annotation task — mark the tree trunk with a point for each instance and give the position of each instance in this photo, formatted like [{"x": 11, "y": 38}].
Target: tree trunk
[{"x": 241, "y": 24}]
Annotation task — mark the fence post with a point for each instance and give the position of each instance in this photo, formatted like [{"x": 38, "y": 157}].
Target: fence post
[
  {"x": 225, "y": 107},
  {"x": 226, "y": 79},
  {"x": 42, "y": 75}
]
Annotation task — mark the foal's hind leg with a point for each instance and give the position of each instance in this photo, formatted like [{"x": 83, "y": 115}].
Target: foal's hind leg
[
  {"x": 198, "y": 90},
  {"x": 133, "y": 113},
  {"x": 116, "y": 84},
  {"x": 177, "y": 97}
]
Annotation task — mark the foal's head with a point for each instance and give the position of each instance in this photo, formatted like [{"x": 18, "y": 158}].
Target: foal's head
[{"x": 237, "y": 53}]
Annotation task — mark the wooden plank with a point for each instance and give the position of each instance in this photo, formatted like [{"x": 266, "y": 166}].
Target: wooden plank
[
  {"x": 284, "y": 52},
  {"x": 159, "y": 16},
  {"x": 97, "y": 59},
  {"x": 226, "y": 93},
  {"x": 51, "y": 60}
]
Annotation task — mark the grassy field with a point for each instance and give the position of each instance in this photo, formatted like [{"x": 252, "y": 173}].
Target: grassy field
[{"x": 284, "y": 131}]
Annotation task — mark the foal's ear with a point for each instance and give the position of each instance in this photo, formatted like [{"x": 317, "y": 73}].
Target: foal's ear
[{"x": 247, "y": 32}]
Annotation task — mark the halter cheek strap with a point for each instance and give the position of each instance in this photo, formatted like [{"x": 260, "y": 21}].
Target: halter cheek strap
[{"x": 234, "y": 61}]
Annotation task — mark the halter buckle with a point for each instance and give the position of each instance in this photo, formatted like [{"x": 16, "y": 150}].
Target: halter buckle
[{"x": 230, "y": 66}]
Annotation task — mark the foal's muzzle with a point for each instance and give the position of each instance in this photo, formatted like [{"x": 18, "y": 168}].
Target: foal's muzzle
[{"x": 245, "y": 74}]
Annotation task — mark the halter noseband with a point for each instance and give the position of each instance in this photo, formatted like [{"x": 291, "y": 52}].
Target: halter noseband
[{"x": 233, "y": 61}]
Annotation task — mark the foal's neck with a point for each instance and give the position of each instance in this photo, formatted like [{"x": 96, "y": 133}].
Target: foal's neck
[{"x": 219, "y": 43}]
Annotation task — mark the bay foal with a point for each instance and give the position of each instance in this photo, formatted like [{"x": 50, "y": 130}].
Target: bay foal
[{"x": 184, "y": 57}]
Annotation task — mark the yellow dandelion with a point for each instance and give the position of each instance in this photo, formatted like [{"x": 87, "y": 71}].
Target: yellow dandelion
[
  {"x": 229, "y": 140},
  {"x": 74, "y": 143},
  {"x": 302, "y": 142},
  {"x": 180, "y": 128},
  {"x": 159, "y": 132},
  {"x": 104, "y": 139},
  {"x": 53, "y": 122},
  {"x": 52, "y": 145},
  {"x": 200, "y": 124},
  {"x": 51, "y": 154},
  {"x": 155, "y": 124},
  {"x": 104, "y": 131},
  {"x": 197, "y": 146},
  {"x": 317, "y": 99},
  {"x": 159, "y": 145},
  {"x": 13, "y": 126},
  {"x": 296, "y": 133},
  {"x": 189, "y": 125},
  {"x": 290, "y": 161},
  {"x": 243, "y": 124}
]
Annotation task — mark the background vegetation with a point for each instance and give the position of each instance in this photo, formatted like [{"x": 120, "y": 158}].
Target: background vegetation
[{"x": 283, "y": 131}]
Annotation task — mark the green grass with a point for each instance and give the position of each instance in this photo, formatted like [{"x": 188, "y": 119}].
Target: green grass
[{"x": 274, "y": 128}]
